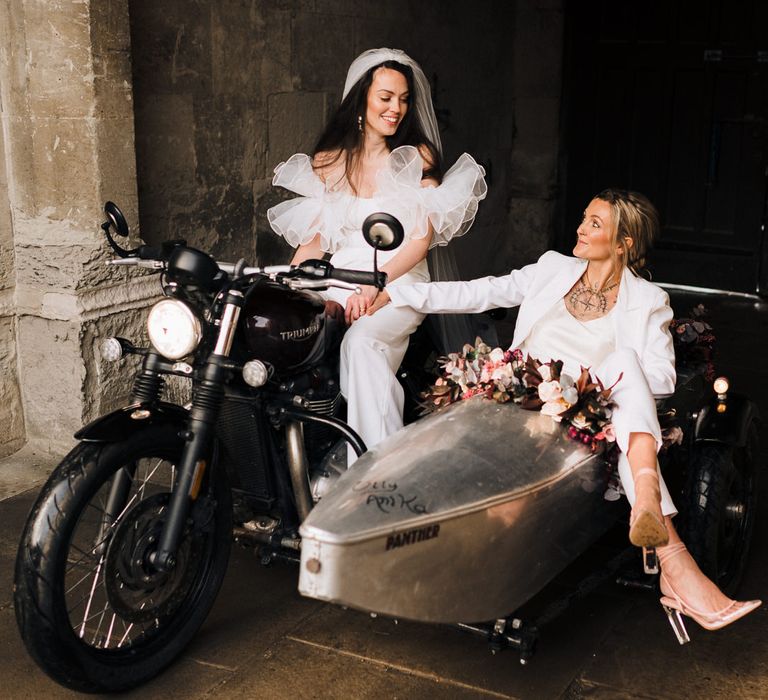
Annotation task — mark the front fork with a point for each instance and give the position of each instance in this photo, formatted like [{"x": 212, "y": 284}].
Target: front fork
[{"x": 206, "y": 402}]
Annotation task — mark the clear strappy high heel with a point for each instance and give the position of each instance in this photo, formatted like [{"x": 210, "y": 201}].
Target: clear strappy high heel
[
  {"x": 675, "y": 607},
  {"x": 646, "y": 530}
]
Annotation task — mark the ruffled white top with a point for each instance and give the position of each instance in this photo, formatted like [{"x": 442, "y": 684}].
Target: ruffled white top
[
  {"x": 557, "y": 335},
  {"x": 338, "y": 215}
]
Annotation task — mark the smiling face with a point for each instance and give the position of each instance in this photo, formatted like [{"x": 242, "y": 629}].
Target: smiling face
[
  {"x": 387, "y": 102},
  {"x": 595, "y": 238}
]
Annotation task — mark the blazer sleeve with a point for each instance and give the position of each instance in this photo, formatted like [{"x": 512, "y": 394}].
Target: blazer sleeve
[
  {"x": 465, "y": 297},
  {"x": 658, "y": 358}
]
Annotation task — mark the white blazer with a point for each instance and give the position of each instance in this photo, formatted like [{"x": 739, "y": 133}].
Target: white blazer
[{"x": 640, "y": 319}]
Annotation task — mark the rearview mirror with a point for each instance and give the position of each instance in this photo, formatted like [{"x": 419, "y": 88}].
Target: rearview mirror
[
  {"x": 383, "y": 231},
  {"x": 116, "y": 219}
]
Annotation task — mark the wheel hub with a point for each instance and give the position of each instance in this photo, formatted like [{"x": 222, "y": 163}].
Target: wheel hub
[{"x": 136, "y": 590}]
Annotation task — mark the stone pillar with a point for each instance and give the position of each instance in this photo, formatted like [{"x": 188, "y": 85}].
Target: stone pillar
[
  {"x": 11, "y": 414},
  {"x": 66, "y": 107}
]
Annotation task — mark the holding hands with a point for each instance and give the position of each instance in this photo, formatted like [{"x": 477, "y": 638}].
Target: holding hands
[
  {"x": 382, "y": 299},
  {"x": 359, "y": 304}
]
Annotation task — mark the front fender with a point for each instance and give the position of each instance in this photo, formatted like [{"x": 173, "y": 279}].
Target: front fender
[
  {"x": 125, "y": 421},
  {"x": 728, "y": 425}
]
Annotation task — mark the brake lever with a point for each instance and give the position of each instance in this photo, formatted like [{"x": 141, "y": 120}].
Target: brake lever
[
  {"x": 299, "y": 283},
  {"x": 136, "y": 262}
]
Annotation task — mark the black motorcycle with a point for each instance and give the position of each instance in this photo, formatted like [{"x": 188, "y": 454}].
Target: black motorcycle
[{"x": 127, "y": 544}]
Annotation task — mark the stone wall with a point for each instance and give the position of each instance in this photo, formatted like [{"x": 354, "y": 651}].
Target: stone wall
[{"x": 226, "y": 90}]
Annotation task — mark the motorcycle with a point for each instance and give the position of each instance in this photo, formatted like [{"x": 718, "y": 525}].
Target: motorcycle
[{"x": 127, "y": 544}]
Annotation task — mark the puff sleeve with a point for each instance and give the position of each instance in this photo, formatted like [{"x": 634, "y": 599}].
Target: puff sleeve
[
  {"x": 315, "y": 211},
  {"x": 449, "y": 207}
]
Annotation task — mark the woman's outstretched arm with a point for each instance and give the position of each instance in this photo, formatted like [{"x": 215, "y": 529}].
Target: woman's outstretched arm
[{"x": 462, "y": 297}]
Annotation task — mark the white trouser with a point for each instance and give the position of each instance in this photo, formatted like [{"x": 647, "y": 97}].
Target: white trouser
[
  {"x": 635, "y": 412},
  {"x": 372, "y": 350}
]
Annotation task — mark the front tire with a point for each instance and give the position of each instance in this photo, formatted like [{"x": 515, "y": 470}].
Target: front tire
[{"x": 92, "y": 612}]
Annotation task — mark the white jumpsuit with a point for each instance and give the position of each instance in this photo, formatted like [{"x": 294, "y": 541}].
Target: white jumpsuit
[{"x": 374, "y": 346}]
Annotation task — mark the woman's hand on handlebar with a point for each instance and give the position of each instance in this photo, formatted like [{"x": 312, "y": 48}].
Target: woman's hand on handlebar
[
  {"x": 358, "y": 304},
  {"x": 381, "y": 300}
]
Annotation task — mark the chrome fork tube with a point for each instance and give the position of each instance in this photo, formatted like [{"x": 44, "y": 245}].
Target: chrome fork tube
[{"x": 227, "y": 328}]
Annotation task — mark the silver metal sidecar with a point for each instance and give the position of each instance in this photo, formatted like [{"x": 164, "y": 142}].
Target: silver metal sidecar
[{"x": 461, "y": 516}]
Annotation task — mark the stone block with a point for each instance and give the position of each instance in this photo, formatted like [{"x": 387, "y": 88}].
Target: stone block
[
  {"x": 323, "y": 50},
  {"x": 173, "y": 39},
  {"x": 64, "y": 163},
  {"x": 535, "y": 153},
  {"x": 538, "y": 48},
  {"x": 256, "y": 60},
  {"x": 295, "y": 122},
  {"x": 165, "y": 155},
  {"x": 59, "y": 71},
  {"x": 117, "y": 166},
  {"x": 51, "y": 372},
  {"x": 271, "y": 249},
  {"x": 11, "y": 413},
  {"x": 6, "y": 226},
  {"x": 528, "y": 232}
]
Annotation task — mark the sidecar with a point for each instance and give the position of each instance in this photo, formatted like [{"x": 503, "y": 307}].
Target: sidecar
[
  {"x": 466, "y": 514},
  {"x": 461, "y": 516}
]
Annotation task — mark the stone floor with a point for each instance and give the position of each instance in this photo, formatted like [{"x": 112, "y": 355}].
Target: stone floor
[{"x": 263, "y": 640}]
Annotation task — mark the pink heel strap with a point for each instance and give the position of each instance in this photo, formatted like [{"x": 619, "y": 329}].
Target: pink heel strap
[
  {"x": 670, "y": 550},
  {"x": 645, "y": 471}
]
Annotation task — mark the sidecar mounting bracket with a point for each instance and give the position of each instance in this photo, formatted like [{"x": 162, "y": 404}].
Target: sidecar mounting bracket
[{"x": 505, "y": 633}]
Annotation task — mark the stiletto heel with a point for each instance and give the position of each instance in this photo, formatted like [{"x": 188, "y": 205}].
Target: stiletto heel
[
  {"x": 645, "y": 528},
  {"x": 675, "y": 606},
  {"x": 650, "y": 560},
  {"x": 676, "y": 620}
]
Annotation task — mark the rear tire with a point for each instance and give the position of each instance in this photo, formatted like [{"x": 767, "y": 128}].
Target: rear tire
[
  {"x": 722, "y": 495},
  {"x": 92, "y": 612}
]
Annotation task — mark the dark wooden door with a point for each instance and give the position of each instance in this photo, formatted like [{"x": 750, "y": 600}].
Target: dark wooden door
[{"x": 671, "y": 99}]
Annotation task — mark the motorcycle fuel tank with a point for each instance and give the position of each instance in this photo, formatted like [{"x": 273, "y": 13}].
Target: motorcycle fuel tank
[
  {"x": 289, "y": 329},
  {"x": 461, "y": 516}
]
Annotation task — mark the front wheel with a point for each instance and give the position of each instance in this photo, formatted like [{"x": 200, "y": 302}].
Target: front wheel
[{"x": 93, "y": 612}]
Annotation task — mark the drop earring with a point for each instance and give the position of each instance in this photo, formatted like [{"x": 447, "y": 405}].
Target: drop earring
[{"x": 359, "y": 122}]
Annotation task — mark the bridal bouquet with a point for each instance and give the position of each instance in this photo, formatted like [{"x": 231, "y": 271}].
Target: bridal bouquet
[{"x": 582, "y": 405}]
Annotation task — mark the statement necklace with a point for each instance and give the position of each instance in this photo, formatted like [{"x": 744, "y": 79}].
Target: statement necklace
[{"x": 586, "y": 299}]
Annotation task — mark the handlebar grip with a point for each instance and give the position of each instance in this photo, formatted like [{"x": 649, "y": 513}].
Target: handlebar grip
[
  {"x": 145, "y": 252},
  {"x": 360, "y": 277}
]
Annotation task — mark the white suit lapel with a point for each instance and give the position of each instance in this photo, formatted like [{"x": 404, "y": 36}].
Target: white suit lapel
[
  {"x": 625, "y": 316},
  {"x": 557, "y": 280}
]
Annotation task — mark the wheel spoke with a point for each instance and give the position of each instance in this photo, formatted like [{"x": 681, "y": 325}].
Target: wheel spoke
[{"x": 92, "y": 592}]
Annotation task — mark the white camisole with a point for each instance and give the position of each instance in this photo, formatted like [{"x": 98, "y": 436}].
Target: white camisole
[{"x": 559, "y": 336}]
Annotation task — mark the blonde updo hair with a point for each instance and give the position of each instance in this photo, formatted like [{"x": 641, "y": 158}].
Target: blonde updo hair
[{"x": 634, "y": 218}]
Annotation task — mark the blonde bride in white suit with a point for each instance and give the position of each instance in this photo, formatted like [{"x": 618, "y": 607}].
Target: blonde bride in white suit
[{"x": 593, "y": 310}]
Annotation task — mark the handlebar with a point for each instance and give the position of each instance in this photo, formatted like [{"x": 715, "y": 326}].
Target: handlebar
[{"x": 311, "y": 274}]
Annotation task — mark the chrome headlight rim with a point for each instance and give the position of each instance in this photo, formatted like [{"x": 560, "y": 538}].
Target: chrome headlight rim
[{"x": 174, "y": 329}]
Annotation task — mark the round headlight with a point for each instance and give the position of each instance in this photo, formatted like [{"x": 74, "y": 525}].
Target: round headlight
[{"x": 173, "y": 329}]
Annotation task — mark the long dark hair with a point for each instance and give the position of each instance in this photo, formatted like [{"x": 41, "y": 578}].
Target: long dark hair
[{"x": 342, "y": 134}]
